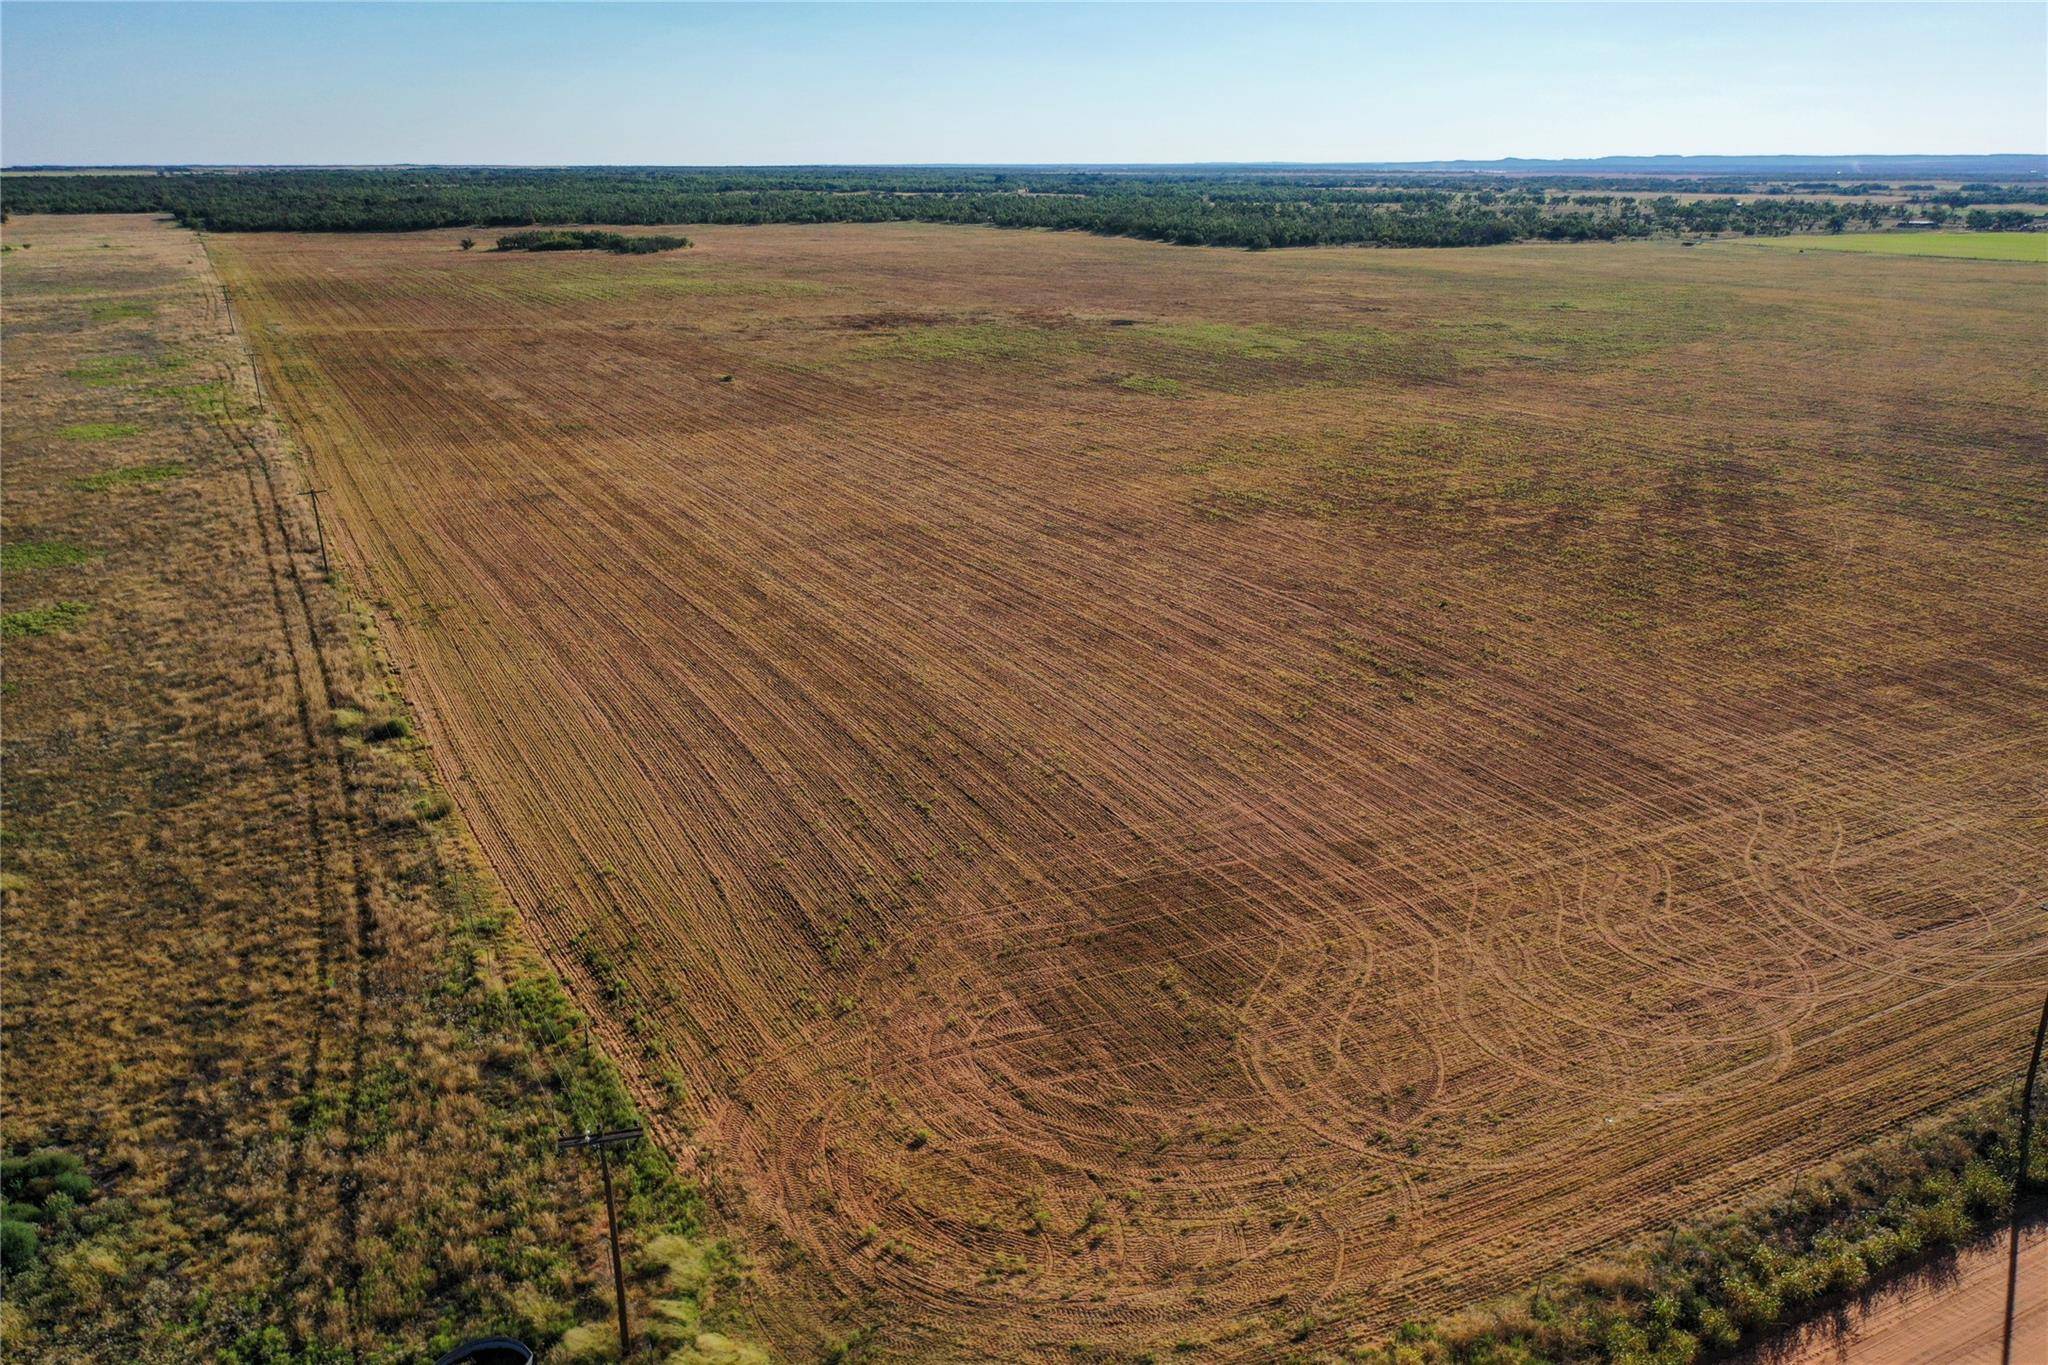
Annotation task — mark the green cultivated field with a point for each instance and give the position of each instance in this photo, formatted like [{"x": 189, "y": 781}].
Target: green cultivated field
[{"x": 1975, "y": 246}]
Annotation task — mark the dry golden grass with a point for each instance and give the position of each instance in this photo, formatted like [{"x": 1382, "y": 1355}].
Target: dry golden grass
[
  {"x": 1139, "y": 799},
  {"x": 249, "y": 981}
]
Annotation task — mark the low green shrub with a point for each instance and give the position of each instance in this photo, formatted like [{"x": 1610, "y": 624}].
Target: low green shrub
[{"x": 19, "y": 1245}]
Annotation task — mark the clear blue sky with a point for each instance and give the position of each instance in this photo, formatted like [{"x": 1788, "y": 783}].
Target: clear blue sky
[{"x": 753, "y": 84}]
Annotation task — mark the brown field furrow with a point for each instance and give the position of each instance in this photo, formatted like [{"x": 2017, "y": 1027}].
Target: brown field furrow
[{"x": 1116, "y": 796}]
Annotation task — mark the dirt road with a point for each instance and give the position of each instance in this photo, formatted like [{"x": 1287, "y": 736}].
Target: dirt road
[{"x": 1953, "y": 1318}]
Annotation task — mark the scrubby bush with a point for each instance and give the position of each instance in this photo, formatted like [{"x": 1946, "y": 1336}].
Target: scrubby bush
[
  {"x": 1710, "y": 1289},
  {"x": 40, "y": 1192},
  {"x": 18, "y": 1245},
  {"x": 32, "y": 1179}
]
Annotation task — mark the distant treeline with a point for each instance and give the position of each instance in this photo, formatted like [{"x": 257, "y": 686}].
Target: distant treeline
[
  {"x": 558, "y": 239},
  {"x": 2004, "y": 220},
  {"x": 1990, "y": 194},
  {"x": 1222, "y": 208}
]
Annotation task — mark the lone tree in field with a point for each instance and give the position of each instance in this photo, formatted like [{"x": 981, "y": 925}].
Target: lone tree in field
[{"x": 468, "y": 242}]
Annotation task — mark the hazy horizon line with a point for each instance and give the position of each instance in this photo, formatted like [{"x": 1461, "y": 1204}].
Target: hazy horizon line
[{"x": 1269, "y": 163}]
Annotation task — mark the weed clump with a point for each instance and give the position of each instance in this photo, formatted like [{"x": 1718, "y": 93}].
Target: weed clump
[
  {"x": 49, "y": 620},
  {"x": 431, "y": 807}
]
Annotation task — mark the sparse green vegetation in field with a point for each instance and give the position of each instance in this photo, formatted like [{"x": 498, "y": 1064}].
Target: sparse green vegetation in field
[
  {"x": 99, "y": 431},
  {"x": 200, "y": 397},
  {"x": 128, "y": 476},
  {"x": 1222, "y": 339},
  {"x": 115, "y": 310},
  {"x": 45, "y": 620},
  {"x": 578, "y": 281},
  {"x": 104, "y": 370},
  {"x": 18, "y": 555},
  {"x": 980, "y": 341}
]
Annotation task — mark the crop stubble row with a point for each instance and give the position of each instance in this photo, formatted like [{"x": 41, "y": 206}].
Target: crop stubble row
[{"x": 1133, "y": 795}]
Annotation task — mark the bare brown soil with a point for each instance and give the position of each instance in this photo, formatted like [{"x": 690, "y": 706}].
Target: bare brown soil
[{"x": 1134, "y": 799}]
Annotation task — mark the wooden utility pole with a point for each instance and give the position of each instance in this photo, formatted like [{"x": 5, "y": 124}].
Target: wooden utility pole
[
  {"x": 2019, "y": 1179},
  {"x": 320, "y": 528},
  {"x": 604, "y": 1142}
]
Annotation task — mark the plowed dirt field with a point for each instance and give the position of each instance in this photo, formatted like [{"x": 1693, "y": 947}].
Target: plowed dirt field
[{"x": 1132, "y": 797}]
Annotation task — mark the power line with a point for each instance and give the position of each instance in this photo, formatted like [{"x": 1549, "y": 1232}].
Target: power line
[{"x": 2020, "y": 1180}]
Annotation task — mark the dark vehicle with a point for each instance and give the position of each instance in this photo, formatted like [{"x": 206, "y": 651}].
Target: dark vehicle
[{"x": 489, "y": 1351}]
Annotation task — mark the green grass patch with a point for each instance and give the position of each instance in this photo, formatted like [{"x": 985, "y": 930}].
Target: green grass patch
[
  {"x": 206, "y": 396},
  {"x": 114, "y": 310},
  {"x": 99, "y": 431},
  {"x": 1968, "y": 246},
  {"x": 1152, "y": 384},
  {"x": 104, "y": 371},
  {"x": 1221, "y": 339},
  {"x": 101, "y": 371},
  {"x": 40, "y": 554},
  {"x": 58, "y": 616},
  {"x": 129, "y": 475}
]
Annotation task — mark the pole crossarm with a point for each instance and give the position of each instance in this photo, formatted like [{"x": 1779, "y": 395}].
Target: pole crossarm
[{"x": 617, "y": 1137}]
